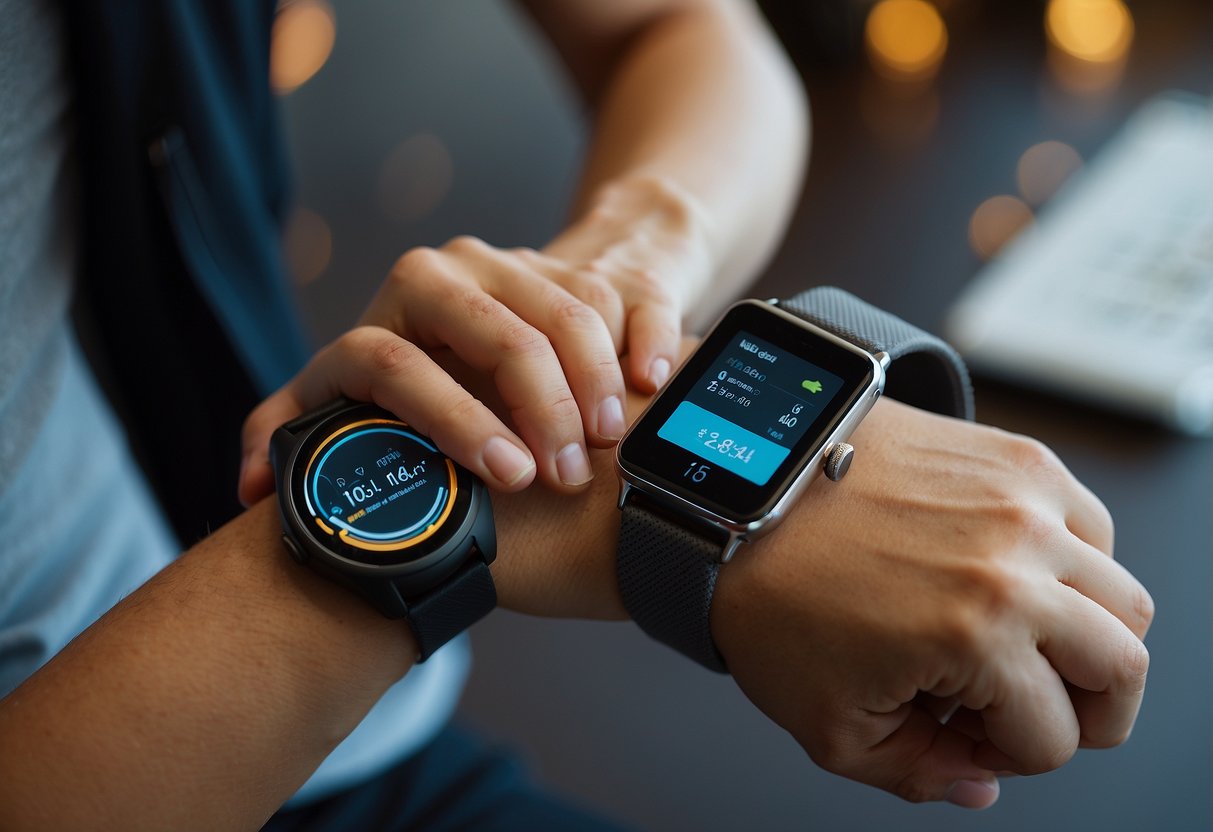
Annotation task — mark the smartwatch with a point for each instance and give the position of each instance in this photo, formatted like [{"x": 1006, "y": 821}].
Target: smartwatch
[
  {"x": 764, "y": 405},
  {"x": 369, "y": 502}
]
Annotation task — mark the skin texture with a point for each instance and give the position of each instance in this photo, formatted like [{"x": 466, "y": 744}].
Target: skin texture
[
  {"x": 954, "y": 562},
  {"x": 662, "y": 233}
]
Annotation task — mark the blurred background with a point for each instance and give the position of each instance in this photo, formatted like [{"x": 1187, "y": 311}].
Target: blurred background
[{"x": 940, "y": 130}]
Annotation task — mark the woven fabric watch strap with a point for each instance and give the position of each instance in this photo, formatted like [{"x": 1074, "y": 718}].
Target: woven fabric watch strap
[
  {"x": 444, "y": 612},
  {"x": 927, "y": 372},
  {"x": 667, "y": 566},
  {"x": 667, "y": 576}
]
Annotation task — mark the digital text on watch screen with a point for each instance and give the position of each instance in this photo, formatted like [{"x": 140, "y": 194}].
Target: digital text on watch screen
[
  {"x": 749, "y": 408},
  {"x": 754, "y": 401},
  {"x": 376, "y": 490}
]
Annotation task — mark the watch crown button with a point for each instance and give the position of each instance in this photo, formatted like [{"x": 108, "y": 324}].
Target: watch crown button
[
  {"x": 297, "y": 554},
  {"x": 838, "y": 461}
]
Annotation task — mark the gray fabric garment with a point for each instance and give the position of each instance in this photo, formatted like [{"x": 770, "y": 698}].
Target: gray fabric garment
[{"x": 37, "y": 210}]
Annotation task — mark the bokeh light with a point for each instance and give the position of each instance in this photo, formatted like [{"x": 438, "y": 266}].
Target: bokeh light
[
  {"x": 308, "y": 245},
  {"x": 301, "y": 42},
  {"x": 905, "y": 38},
  {"x": 1043, "y": 168},
  {"x": 1099, "y": 31},
  {"x": 996, "y": 222},
  {"x": 415, "y": 177}
]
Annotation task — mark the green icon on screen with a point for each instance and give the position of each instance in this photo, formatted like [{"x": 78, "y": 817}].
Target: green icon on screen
[{"x": 811, "y": 386}]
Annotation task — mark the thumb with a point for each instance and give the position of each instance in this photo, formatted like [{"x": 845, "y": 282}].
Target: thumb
[
  {"x": 917, "y": 758},
  {"x": 256, "y": 476}
]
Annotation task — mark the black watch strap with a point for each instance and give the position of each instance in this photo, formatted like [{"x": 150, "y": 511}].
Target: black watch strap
[
  {"x": 926, "y": 371},
  {"x": 457, "y": 603},
  {"x": 667, "y": 566},
  {"x": 667, "y": 576}
]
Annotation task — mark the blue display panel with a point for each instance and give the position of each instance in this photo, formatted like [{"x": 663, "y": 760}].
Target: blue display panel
[{"x": 750, "y": 407}]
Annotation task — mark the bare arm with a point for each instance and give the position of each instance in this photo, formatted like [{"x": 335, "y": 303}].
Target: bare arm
[
  {"x": 699, "y": 94},
  {"x": 699, "y": 141},
  {"x": 954, "y": 563}
]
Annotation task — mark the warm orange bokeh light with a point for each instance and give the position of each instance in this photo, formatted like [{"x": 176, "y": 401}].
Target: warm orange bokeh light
[
  {"x": 302, "y": 40},
  {"x": 995, "y": 222},
  {"x": 905, "y": 38},
  {"x": 308, "y": 245},
  {"x": 415, "y": 178},
  {"x": 1099, "y": 31},
  {"x": 1043, "y": 168}
]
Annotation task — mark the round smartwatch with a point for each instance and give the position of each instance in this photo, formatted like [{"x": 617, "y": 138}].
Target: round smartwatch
[
  {"x": 764, "y": 405},
  {"x": 369, "y": 502}
]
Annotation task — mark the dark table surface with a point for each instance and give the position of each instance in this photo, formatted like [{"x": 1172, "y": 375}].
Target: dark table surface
[{"x": 599, "y": 710}]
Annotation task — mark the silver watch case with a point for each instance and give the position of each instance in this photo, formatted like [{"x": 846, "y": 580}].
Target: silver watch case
[{"x": 739, "y": 532}]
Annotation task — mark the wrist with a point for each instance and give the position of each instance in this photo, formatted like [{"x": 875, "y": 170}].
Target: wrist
[
  {"x": 647, "y": 223},
  {"x": 312, "y": 621},
  {"x": 556, "y": 553}
]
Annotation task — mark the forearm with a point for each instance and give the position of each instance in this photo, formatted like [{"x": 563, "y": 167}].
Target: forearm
[
  {"x": 203, "y": 700},
  {"x": 208, "y": 696},
  {"x": 705, "y": 99}
]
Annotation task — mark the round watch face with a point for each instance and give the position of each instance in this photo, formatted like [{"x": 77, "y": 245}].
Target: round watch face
[{"x": 376, "y": 491}]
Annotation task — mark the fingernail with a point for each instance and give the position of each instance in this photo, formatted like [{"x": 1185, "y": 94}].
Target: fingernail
[
  {"x": 610, "y": 418},
  {"x": 973, "y": 794},
  {"x": 507, "y": 461},
  {"x": 572, "y": 465},
  {"x": 659, "y": 371}
]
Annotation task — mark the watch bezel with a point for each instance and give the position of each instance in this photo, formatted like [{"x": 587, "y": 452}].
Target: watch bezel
[
  {"x": 427, "y": 564},
  {"x": 844, "y": 414}
]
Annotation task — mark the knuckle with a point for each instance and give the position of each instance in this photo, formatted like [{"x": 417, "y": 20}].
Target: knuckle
[
  {"x": 461, "y": 408},
  {"x": 414, "y": 263},
  {"x": 517, "y": 337},
  {"x": 479, "y": 306},
  {"x": 571, "y": 313},
  {"x": 597, "y": 292},
  {"x": 987, "y": 590},
  {"x": 1134, "y": 665},
  {"x": 526, "y": 254},
  {"x": 561, "y": 406},
  {"x": 1022, "y": 521},
  {"x": 392, "y": 356},
  {"x": 466, "y": 244},
  {"x": 1143, "y": 606},
  {"x": 1034, "y": 457}
]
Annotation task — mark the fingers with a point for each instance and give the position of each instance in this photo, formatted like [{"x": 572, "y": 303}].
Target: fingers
[
  {"x": 550, "y": 357},
  {"x": 1106, "y": 582},
  {"x": 1083, "y": 687},
  {"x": 1088, "y": 518},
  {"x": 1105, "y": 665},
  {"x": 911, "y": 754},
  {"x": 1032, "y": 726},
  {"x": 654, "y": 332},
  {"x": 372, "y": 364},
  {"x": 644, "y": 319},
  {"x": 580, "y": 337},
  {"x": 526, "y": 372}
]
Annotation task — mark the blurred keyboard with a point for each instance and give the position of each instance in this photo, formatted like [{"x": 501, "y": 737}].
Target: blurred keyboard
[{"x": 1108, "y": 297}]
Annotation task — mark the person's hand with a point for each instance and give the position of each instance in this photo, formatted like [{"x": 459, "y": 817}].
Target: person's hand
[
  {"x": 547, "y": 327},
  {"x": 956, "y": 567}
]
